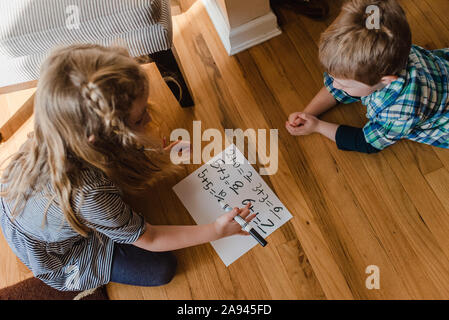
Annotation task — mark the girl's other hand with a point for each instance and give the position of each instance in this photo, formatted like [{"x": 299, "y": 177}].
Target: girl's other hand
[
  {"x": 179, "y": 146},
  {"x": 226, "y": 226}
]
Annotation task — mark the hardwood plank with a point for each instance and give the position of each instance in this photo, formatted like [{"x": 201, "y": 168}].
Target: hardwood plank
[
  {"x": 275, "y": 275},
  {"x": 401, "y": 160},
  {"x": 11, "y": 270},
  {"x": 443, "y": 155},
  {"x": 18, "y": 87},
  {"x": 17, "y": 120},
  {"x": 118, "y": 291},
  {"x": 423, "y": 31},
  {"x": 425, "y": 158},
  {"x": 390, "y": 213},
  {"x": 11, "y": 103},
  {"x": 300, "y": 271},
  {"x": 424, "y": 163},
  {"x": 415, "y": 250},
  {"x": 439, "y": 21},
  {"x": 439, "y": 9},
  {"x": 438, "y": 182}
]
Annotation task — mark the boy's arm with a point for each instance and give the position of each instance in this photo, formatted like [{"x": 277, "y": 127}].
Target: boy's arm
[
  {"x": 372, "y": 138},
  {"x": 442, "y": 53},
  {"x": 321, "y": 103},
  {"x": 347, "y": 138},
  {"x": 327, "y": 129},
  {"x": 327, "y": 98},
  {"x": 353, "y": 139}
]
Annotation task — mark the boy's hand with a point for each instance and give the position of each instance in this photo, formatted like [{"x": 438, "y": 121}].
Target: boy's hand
[
  {"x": 308, "y": 125},
  {"x": 295, "y": 120},
  {"x": 226, "y": 226}
]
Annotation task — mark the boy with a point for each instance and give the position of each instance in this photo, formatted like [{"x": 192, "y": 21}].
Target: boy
[{"x": 405, "y": 87}]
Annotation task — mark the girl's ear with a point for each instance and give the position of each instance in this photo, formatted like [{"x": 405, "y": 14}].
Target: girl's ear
[
  {"x": 388, "y": 79},
  {"x": 91, "y": 138}
]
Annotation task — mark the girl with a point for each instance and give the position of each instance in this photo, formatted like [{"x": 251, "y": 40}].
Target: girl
[{"x": 61, "y": 209}]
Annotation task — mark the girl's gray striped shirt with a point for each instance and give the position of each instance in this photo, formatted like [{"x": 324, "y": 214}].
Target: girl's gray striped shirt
[{"x": 57, "y": 254}]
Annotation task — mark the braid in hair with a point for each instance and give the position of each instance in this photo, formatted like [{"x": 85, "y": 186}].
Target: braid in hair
[{"x": 97, "y": 102}]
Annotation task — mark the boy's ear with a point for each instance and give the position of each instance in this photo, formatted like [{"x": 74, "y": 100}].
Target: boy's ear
[{"x": 388, "y": 79}]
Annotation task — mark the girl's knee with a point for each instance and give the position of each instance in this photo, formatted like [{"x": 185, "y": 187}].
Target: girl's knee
[{"x": 168, "y": 268}]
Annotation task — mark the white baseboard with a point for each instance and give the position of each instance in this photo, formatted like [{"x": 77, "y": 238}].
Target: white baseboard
[{"x": 245, "y": 36}]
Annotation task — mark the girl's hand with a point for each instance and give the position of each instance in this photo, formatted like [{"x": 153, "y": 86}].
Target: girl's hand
[
  {"x": 226, "y": 226},
  {"x": 309, "y": 124},
  {"x": 181, "y": 147},
  {"x": 178, "y": 145}
]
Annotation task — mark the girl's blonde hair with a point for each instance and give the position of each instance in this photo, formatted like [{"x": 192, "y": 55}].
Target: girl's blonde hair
[
  {"x": 84, "y": 91},
  {"x": 351, "y": 50}
]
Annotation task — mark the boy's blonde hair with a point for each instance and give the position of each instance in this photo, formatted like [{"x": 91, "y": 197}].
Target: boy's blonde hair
[
  {"x": 351, "y": 50},
  {"x": 84, "y": 91}
]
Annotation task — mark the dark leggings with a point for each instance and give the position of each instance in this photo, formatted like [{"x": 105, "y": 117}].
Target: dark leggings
[{"x": 139, "y": 267}]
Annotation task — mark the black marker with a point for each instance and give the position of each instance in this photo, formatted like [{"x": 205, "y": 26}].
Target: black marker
[{"x": 245, "y": 226}]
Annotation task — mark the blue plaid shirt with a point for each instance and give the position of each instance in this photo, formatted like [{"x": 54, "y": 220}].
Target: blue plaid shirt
[{"x": 414, "y": 107}]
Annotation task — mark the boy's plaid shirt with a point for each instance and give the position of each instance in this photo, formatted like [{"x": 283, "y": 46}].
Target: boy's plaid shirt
[{"x": 414, "y": 107}]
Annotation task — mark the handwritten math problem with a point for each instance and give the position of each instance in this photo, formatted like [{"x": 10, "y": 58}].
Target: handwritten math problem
[{"x": 229, "y": 178}]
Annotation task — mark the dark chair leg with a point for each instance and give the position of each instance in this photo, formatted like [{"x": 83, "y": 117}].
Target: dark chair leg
[{"x": 168, "y": 66}]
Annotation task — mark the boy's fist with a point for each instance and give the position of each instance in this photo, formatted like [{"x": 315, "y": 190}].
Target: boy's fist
[
  {"x": 307, "y": 124},
  {"x": 295, "y": 120}
]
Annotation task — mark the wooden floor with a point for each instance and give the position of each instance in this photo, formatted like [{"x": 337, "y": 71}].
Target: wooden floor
[{"x": 350, "y": 210}]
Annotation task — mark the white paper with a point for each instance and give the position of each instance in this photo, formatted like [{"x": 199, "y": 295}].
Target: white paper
[{"x": 229, "y": 177}]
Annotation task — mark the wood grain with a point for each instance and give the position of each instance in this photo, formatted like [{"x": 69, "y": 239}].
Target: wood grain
[{"x": 17, "y": 120}]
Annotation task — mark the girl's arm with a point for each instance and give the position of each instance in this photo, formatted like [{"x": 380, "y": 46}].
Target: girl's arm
[{"x": 168, "y": 238}]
